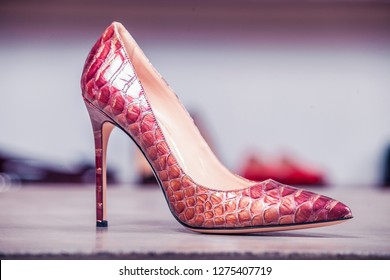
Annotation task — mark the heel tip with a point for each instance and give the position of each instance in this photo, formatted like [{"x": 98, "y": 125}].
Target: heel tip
[{"x": 101, "y": 223}]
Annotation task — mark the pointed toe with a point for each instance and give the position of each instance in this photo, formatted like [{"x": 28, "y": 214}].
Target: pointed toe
[{"x": 339, "y": 212}]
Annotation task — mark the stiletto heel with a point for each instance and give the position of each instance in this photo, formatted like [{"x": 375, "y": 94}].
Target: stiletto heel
[
  {"x": 121, "y": 88},
  {"x": 102, "y": 128}
]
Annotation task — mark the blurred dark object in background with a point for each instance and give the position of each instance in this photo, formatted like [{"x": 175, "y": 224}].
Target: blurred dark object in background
[
  {"x": 386, "y": 169},
  {"x": 285, "y": 170},
  {"x": 147, "y": 180},
  {"x": 15, "y": 170},
  {"x": 145, "y": 175}
]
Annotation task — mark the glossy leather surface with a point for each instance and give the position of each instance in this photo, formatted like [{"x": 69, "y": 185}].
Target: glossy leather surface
[{"x": 111, "y": 86}]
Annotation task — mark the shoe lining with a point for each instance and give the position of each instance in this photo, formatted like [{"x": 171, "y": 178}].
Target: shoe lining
[{"x": 183, "y": 137}]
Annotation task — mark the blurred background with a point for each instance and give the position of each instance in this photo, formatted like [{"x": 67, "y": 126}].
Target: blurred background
[{"x": 279, "y": 88}]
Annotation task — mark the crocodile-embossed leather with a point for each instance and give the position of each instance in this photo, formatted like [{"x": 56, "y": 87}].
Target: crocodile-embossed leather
[{"x": 110, "y": 85}]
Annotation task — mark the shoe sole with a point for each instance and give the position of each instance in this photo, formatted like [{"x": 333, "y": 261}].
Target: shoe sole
[{"x": 271, "y": 228}]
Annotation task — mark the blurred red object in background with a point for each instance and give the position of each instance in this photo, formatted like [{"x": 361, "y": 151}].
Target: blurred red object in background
[{"x": 285, "y": 170}]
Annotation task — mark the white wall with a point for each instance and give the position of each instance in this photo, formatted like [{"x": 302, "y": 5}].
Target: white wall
[{"x": 318, "y": 89}]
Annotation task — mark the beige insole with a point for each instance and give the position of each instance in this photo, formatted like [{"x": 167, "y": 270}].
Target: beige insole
[{"x": 183, "y": 137}]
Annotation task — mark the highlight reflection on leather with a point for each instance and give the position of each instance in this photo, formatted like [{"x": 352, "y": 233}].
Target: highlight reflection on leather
[{"x": 113, "y": 93}]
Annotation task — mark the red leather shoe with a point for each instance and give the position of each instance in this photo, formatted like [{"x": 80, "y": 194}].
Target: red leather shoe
[{"x": 122, "y": 89}]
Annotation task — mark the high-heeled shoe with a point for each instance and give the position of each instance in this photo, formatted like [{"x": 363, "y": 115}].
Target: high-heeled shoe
[{"x": 122, "y": 89}]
